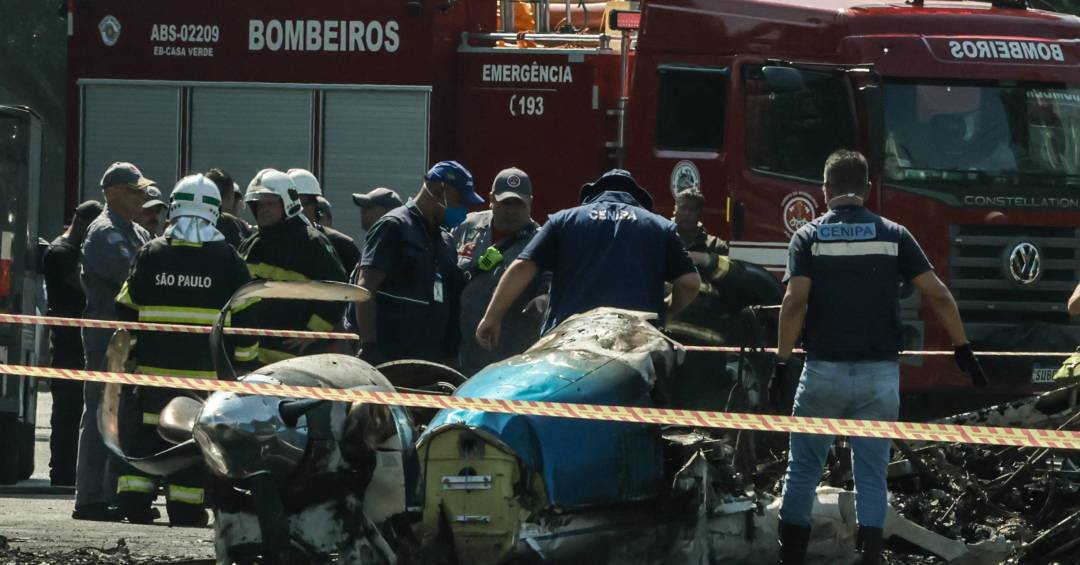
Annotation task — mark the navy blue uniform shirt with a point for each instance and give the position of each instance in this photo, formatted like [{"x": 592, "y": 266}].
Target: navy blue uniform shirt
[
  {"x": 856, "y": 261},
  {"x": 607, "y": 252},
  {"x": 418, "y": 303}
]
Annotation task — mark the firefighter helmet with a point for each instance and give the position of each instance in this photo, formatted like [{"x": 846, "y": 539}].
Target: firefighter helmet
[
  {"x": 197, "y": 196},
  {"x": 306, "y": 183},
  {"x": 276, "y": 183}
]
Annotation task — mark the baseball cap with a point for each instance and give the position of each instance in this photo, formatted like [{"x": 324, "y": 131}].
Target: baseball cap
[
  {"x": 381, "y": 197},
  {"x": 456, "y": 175},
  {"x": 511, "y": 183},
  {"x": 618, "y": 180},
  {"x": 121, "y": 173},
  {"x": 88, "y": 210},
  {"x": 153, "y": 195}
]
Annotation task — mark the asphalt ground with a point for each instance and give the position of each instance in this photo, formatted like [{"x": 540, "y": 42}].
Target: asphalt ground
[{"x": 35, "y": 520}]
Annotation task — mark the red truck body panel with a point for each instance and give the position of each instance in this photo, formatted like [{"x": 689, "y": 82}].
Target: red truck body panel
[{"x": 554, "y": 111}]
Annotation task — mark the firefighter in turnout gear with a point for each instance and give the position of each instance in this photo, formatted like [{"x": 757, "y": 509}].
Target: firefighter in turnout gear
[
  {"x": 288, "y": 248},
  {"x": 309, "y": 189},
  {"x": 185, "y": 276}
]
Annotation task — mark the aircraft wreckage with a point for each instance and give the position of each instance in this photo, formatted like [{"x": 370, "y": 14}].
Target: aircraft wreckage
[{"x": 306, "y": 481}]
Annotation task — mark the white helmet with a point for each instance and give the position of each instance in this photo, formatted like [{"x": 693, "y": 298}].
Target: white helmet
[
  {"x": 196, "y": 196},
  {"x": 306, "y": 183},
  {"x": 277, "y": 183}
]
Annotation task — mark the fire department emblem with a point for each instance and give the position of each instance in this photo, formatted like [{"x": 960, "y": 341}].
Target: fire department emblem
[
  {"x": 799, "y": 209},
  {"x": 110, "y": 30},
  {"x": 684, "y": 176}
]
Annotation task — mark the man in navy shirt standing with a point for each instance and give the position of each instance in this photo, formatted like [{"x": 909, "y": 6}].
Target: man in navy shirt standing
[
  {"x": 843, "y": 280},
  {"x": 610, "y": 251},
  {"x": 409, "y": 264}
]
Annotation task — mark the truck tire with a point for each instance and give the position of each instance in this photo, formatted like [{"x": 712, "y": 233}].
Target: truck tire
[{"x": 9, "y": 449}]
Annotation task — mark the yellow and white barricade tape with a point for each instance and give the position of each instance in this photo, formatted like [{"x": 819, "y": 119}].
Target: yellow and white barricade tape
[{"x": 951, "y": 433}]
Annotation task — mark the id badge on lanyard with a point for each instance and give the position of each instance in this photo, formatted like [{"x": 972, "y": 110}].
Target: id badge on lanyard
[{"x": 437, "y": 290}]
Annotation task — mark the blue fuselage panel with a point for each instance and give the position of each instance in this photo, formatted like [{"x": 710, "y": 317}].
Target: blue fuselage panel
[{"x": 583, "y": 462}]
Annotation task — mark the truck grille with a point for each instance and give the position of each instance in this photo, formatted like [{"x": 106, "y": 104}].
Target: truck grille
[{"x": 985, "y": 291}]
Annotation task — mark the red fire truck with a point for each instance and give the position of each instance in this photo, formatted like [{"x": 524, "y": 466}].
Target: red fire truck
[{"x": 969, "y": 111}]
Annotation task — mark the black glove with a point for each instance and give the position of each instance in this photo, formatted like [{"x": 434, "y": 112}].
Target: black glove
[
  {"x": 778, "y": 383},
  {"x": 966, "y": 361}
]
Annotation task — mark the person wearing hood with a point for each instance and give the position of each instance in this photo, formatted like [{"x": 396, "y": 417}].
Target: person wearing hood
[
  {"x": 612, "y": 250},
  {"x": 410, "y": 264},
  {"x": 287, "y": 248},
  {"x": 185, "y": 276}
]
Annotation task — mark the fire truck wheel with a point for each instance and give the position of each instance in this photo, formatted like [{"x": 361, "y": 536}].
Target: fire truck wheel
[{"x": 9, "y": 449}]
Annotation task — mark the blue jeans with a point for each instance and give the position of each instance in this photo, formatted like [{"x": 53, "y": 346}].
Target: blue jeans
[{"x": 864, "y": 390}]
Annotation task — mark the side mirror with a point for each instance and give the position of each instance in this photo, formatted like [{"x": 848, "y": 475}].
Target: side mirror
[{"x": 783, "y": 79}]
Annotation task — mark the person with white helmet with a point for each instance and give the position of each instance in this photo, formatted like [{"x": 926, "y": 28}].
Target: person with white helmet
[
  {"x": 185, "y": 276},
  {"x": 310, "y": 191},
  {"x": 288, "y": 248}
]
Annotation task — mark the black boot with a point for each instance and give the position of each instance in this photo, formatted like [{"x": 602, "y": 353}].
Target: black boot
[
  {"x": 793, "y": 542},
  {"x": 869, "y": 542}
]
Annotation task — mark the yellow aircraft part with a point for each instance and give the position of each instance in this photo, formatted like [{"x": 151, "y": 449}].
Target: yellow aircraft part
[{"x": 473, "y": 488}]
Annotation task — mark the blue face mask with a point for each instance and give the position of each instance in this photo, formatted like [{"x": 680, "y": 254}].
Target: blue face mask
[{"x": 454, "y": 216}]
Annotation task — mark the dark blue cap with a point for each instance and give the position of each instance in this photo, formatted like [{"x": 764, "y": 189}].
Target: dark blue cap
[
  {"x": 621, "y": 181},
  {"x": 456, "y": 175}
]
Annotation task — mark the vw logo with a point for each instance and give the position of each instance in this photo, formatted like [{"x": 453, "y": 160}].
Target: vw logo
[{"x": 1024, "y": 263}]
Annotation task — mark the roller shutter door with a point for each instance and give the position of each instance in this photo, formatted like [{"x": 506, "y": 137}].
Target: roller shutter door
[
  {"x": 139, "y": 124},
  {"x": 246, "y": 129},
  {"x": 372, "y": 137}
]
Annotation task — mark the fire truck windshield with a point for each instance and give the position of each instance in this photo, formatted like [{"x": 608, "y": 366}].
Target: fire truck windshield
[{"x": 1008, "y": 137}]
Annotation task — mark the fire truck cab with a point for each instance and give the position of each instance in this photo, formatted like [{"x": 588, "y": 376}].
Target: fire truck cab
[{"x": 969, "y": 112}]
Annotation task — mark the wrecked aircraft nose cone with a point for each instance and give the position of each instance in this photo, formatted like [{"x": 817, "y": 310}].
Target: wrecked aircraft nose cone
[{"x": 242, "y": 436}]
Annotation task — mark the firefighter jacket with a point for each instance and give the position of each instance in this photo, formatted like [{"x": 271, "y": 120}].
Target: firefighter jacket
[
  {"x": 178, "y": 282},
  {"x": 344, "y": 246},
  {"x": 292, "y": 250}
]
